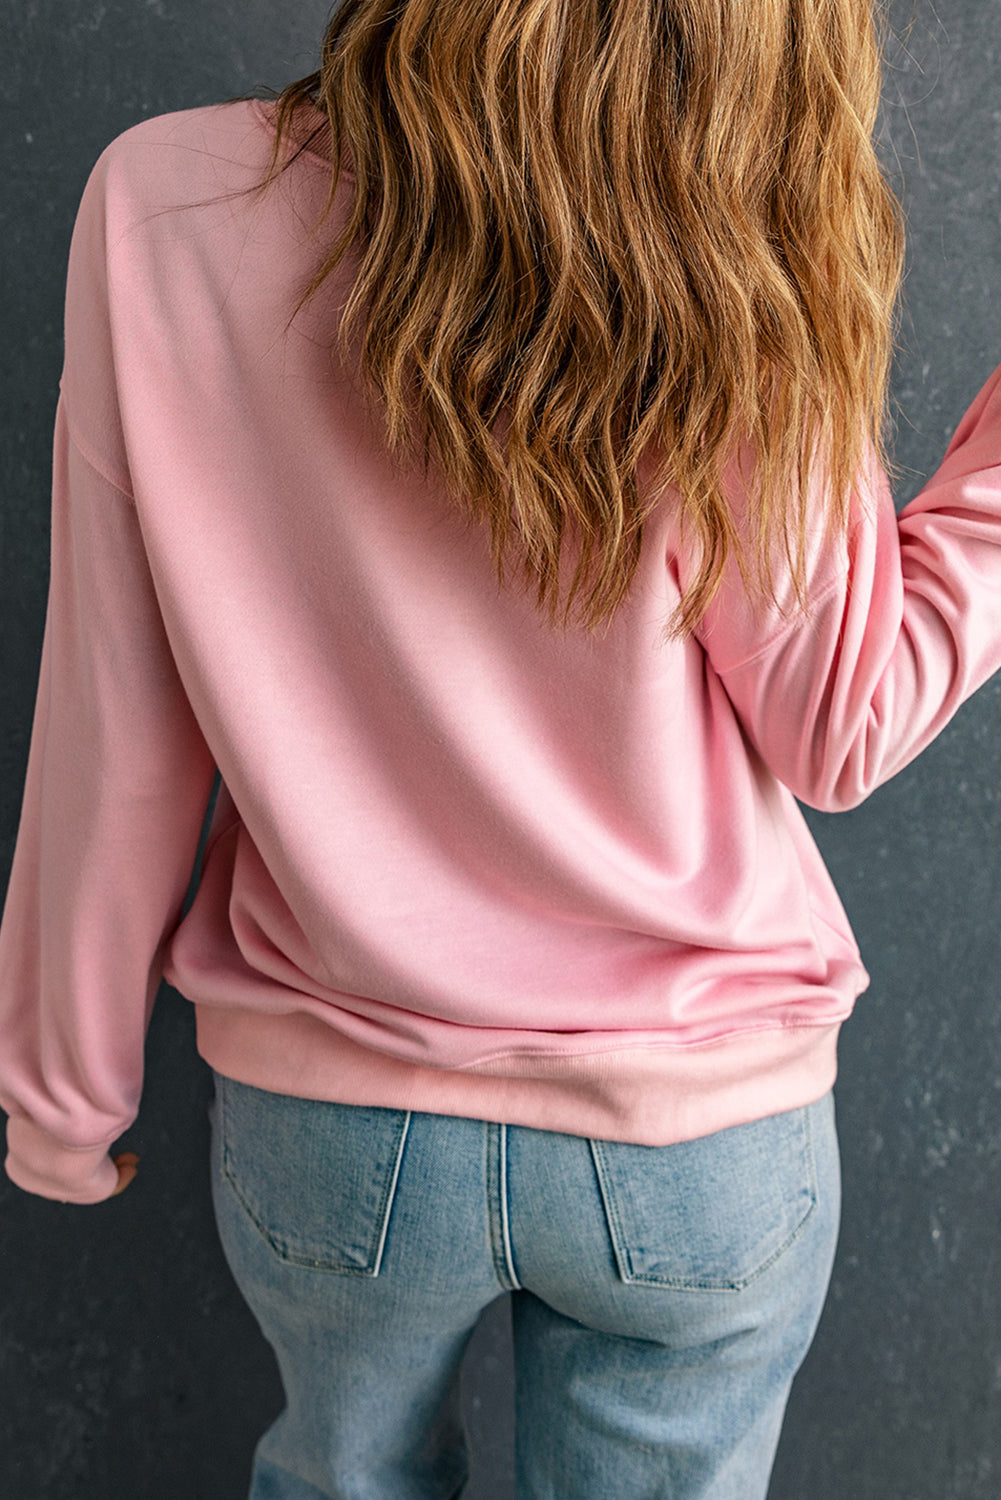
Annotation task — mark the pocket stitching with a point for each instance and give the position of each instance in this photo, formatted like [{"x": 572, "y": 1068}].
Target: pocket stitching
[
  {"x": 621, "y": 1250},
  {"x": 389, "y": 1195},
  {"x": 281, "y": 1249}
]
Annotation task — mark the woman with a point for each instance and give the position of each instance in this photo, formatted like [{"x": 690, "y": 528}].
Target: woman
[{"x": 512, "y": 956}]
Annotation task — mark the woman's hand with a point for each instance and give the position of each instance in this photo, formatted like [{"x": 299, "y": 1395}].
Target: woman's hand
[{"x": 127, "y": 1163}]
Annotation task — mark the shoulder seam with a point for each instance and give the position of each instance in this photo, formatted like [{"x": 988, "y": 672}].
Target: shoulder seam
[
  {"x": 779, "y": 634},
  {"x": 92, "y": 461}
]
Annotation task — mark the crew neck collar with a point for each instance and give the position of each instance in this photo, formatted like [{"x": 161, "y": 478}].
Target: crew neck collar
[{"x": 264, "y": 117}]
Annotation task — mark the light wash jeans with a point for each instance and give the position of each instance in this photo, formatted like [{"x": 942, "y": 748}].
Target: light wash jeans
[{"x": 663, "y": 1297}]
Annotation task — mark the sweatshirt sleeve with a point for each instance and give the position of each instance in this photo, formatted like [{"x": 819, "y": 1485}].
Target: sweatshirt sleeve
[
  {"x": 117, "y": 784},
  {"x": 903, "y": 627}
]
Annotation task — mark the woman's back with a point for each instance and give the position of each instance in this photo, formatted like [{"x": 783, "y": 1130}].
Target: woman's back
[
  {"x": 513, "y": 959},
  {"x": 460, "y": 858}
]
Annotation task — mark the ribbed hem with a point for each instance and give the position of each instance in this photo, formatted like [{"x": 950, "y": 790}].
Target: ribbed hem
[
  {"x": 650, "y": 1096},
  {"x": 39, "y": 1163}
]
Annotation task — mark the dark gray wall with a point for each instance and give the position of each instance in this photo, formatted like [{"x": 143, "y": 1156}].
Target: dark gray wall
[{"x": 129, "y": 1365}]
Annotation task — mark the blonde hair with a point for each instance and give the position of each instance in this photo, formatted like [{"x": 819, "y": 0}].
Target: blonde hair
[{"x": 621, "y": 222}]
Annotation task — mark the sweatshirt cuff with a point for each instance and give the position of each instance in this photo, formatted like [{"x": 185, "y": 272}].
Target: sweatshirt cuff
[{"x": 39, "y": 1163}]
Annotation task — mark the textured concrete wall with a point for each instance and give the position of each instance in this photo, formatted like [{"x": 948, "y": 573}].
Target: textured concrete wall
[{"x": 129, "y": 1365}]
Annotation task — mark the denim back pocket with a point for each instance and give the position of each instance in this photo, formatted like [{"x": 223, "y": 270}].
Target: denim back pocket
[
  {"x": 317, "y": 1178},
  {"x": 709, "y": 1214}
]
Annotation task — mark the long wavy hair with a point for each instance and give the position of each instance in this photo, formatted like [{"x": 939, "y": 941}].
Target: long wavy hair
[{"x": 616, "y": 224}]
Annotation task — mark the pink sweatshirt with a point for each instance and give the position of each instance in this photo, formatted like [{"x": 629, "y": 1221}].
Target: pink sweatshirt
[{"x": 459, "y": 862}]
